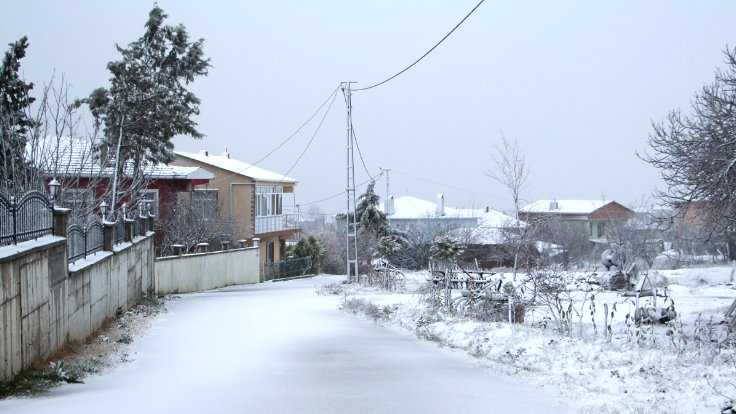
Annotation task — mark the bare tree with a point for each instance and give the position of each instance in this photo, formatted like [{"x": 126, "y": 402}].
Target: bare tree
[
  {"x": 696, "y": 155},
  {"x": 191, "y": 222},
  {"x": 511, "y": 171}
]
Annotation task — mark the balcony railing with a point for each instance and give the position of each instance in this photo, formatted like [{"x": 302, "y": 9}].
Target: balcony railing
[{"x": 270, "y": 224}]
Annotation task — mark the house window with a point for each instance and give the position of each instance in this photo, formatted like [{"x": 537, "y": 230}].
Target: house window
[
  {"x": 601, "y": 229},
  {"x": 152, "y": 197},
  {"x": 204, "y": 204},
  {"x": 269, "y": 200},
  {"x": 78, "y": 200}
]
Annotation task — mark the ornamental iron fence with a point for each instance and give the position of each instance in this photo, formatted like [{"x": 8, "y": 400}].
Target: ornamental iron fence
[
  {"x": 86, "y": 239},
  {"x": 28, "y": 217}
]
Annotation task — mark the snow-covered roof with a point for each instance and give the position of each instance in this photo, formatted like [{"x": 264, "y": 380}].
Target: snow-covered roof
[
  {"x": 409, "y": 207},
  {"x": 74, "y": 156},
  {"x": 565, "y": 206},
  {"x": 237, "y": 167}
]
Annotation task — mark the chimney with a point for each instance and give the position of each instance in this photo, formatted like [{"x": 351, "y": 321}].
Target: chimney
[
  {"x": 226, "y": 154},
  {"x": 488, "y": 209},
  {"x": 204, "y": 152},
  {"x": 440, "y": 204},
  {"x": 390, "y": 206},
  {"x": 554, "y": 205}
]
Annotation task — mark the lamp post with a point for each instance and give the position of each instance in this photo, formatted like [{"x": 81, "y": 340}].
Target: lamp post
[
  {"x": 103, "y": 209},
  {"x": 54, "y": 187}
]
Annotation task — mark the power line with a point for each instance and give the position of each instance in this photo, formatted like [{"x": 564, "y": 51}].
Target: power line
[
  {"x": 428, "y": 52},
  {"x": 441, "y": 184},
  {"x": 332, "y": 96},
  {"x": 313, "y": 136},
  {"x": 355, "y": 138},
  {"x": 341, "y": 193}
]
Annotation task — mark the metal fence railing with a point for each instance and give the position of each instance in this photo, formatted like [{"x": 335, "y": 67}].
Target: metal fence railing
[
  {"x": 86, "y": 239},
  {"x": 269, "y": 224},
  {"x": 28, "y": 217},
  {"x": 119, "y": 235},
  {"x": 287, "y": 268}
]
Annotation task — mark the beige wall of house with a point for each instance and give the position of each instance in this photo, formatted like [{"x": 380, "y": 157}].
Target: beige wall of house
[{"x": 236, "y": 196}]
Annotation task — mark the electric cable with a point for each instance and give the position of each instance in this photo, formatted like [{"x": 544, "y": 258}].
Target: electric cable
[
  {"x": 332, "y": 196},
  {"x": 334, "y": 96},
  {"x": 424, "y": 55},
  {"x": 441, "y": 184}
]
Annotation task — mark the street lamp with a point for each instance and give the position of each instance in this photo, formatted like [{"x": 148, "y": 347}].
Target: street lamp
[
  {"x": 103, "y": 209},
  {"x": 54, "y": 187}
]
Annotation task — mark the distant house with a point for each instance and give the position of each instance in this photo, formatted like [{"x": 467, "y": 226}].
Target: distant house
[
  {"x": 86, "y": 177},
  {"x": 255, "y": 197},
  {"x": 595, "y": 215},
  {"x": 407, "y": 212},
  {"x": 483, "y": 231}
]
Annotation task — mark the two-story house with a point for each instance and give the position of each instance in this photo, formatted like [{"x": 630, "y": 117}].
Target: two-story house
[{"x": 255, "y": 197}]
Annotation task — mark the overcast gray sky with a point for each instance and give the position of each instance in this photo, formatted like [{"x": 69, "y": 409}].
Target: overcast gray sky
[{"x": 576, "y": 82}]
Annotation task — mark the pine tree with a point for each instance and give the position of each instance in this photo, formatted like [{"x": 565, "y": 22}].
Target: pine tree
[
  {"x": 373, "y": 222},
  {"x": 148, "y": 102},
  {"x": 15, "y": 124},
  {"x": 370, "y": 218}
]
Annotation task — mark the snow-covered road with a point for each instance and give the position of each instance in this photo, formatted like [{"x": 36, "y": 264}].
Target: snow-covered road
[{"x": 280, "y": 348}]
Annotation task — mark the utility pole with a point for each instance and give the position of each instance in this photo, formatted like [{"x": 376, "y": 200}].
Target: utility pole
[
  {"x": 351, "y": 242},
  {"x": 388, "y": 193}
]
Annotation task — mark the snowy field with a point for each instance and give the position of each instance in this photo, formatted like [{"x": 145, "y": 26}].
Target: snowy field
[{"x": 685, "y": 366}]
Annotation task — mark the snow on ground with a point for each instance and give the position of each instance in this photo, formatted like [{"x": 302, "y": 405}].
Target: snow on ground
[{"x": 686, "y": 366}]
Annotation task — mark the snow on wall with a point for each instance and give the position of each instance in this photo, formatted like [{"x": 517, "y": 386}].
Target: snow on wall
[{"x": 43, "y": 304}]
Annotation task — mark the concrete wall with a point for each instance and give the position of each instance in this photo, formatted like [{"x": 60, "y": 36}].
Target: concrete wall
[
  {"x": 203, "y": 271},
  {"x": 45, "y": 303}
]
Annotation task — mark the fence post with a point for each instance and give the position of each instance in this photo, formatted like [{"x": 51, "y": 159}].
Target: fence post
[
  {"x": 202, "y": 247},
  {"x": 605, "y": 320},
  {"x": 151, "y": 218},
  {"x": 61, "y": 221},
  {"x": 256, "y": 242},
  {"x": 108, "y": 235},
  {"x": 241, "y": 244},
  {"x": 224, "y": 245},
  {"x": 177, "y": 249},
  {"x": 129, "y": 230},
  {"x": 143, "y": 225}
]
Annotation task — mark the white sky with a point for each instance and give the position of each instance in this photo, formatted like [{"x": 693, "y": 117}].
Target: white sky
[{"x": 577, "y": 83}]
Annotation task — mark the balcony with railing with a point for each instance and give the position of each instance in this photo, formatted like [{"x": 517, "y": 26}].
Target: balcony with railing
[{"x": 281, "y": 222}]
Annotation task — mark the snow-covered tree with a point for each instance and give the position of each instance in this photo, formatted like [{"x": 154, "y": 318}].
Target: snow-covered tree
[
  {"x": 373, "y": 226},
  {"x": 148, "y": 103},
  {"x": 445, "y": 249},
  {"x": 369, "y": 216},
  {"x": 15, "y": 123}
]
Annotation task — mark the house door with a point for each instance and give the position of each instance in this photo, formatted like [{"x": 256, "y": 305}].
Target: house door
[{"x": 269, "y": 252}]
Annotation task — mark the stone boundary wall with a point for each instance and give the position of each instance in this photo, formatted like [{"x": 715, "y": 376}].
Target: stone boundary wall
[
  {"x": 46, "y": 303},
  {"x": 203, "y": 271}
]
